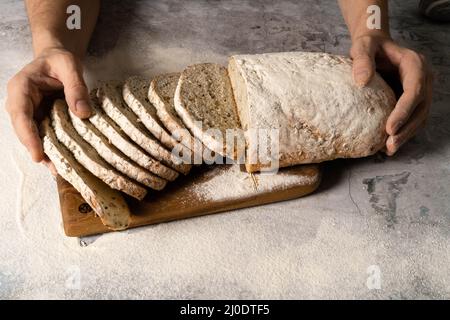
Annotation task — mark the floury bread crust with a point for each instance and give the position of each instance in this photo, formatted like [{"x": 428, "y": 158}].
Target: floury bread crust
[
  {"x": 107, "y": 203},
  {"x": 204, "y": 101},
  {"x": 311, "y": 99}
]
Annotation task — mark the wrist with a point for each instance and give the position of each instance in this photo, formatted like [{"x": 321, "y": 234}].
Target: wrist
[{"x": 45, "y": 41}]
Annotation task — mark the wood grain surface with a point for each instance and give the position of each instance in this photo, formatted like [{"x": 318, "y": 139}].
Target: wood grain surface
[{"x": 178, "y": 201}]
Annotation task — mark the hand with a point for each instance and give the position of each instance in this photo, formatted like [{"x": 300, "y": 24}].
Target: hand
[
  {"x": 412, "y": 108},
  {"x": 53, "y": 70}
]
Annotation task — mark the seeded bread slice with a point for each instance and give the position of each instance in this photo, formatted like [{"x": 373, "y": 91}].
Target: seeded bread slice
[
  {"x": 121, "y": 141},
  {"x": 111, "y": 101},
  {"x": 204, "y": 101},
  {"x": 161, "y": 93},
  {"x": 87, "y": 156},
  {"x": 114, "y": 156},
  {"x": 135, "y": 94},
  {"x": 107, "y": 203}
]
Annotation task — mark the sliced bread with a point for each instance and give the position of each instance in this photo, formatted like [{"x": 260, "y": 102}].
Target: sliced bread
[
  {"x": 87, "y": 156},
  {"x": 135, "y": 94},
  {"x": 161, "y": 93},
  {"x": 107, "y": 203},
  {"x": 121, "y": 141},
  {"x": 111, "y": 101},
  {"x": 205, "y": 103},
  {"x": 114, "y": 156},
  {"x": 312, "y": 101}
]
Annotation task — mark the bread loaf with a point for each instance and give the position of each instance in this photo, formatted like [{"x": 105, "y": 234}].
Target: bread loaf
[{"x": 311, "y": 100}]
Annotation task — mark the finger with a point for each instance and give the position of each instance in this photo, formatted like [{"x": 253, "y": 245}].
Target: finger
[
  {"x": 393, "y": 51},
  {"x": 415, "y": 83},
  {"x": 36, "y": 73},
  {"x": 69, "y": 72},
  {"x": 394, "y": 142},
  {"x": 46, "y": 83},
  {"x": 46, "y": 162},
  {"x": 363, "y": 55},
  {"x": 20, "y": 109}
]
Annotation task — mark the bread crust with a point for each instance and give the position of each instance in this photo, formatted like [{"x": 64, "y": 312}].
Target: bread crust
[
  {"x": 111, "y": 101},
  {"x": 310, "y": 98},
  {"x": 114, "y": 156},
  {"x": 87, "y": 156},
  {"x": 107, "y": 203}
]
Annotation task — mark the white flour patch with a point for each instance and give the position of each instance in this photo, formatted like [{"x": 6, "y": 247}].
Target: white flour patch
[{"x": 229, "y": 182}]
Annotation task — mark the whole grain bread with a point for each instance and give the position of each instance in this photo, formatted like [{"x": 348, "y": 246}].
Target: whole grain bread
[
  {"x": 205, "y": 103},
  {"x": 311, "y": 101},
  {"x": 135, "y": 94},
  {"x": 88, "y": 156},
  {"x": 121, "y": 141},
  {"x": 107, "y": 203},
  {"x": 111, "y": 101},
  {"x": 161, "y": 94},
  {"x": 114, "y": 156}
]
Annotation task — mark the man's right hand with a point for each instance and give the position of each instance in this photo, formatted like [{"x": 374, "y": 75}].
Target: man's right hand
[{"x": 53, "y": 70}]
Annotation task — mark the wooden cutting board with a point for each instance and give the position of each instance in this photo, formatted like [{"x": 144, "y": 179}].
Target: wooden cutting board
[{"x": 206, "y": 190}]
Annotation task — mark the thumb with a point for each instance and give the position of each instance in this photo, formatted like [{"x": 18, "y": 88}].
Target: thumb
[
  {"x": 70, "y": 73},
  {"x": 363, "y": 55}
]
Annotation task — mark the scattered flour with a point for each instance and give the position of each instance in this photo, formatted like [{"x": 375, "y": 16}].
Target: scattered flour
[{"x": 229, "y": 182}]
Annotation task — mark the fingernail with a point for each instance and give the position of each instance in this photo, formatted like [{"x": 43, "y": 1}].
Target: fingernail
[
  {"x": 82, "y": 107},
  {"x": 361, "y": 78},
  {"x": 390, "y": 144},
  {"x": 390, "y": 140}
]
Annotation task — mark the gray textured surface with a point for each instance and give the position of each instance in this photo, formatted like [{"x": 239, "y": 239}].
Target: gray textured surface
[{"x": 392, "y": 213}]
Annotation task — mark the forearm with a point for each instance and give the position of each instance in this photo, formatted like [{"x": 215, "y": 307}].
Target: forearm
[
  {"x": 48, "y": 24},
  {"x": 356, "y": 16}
]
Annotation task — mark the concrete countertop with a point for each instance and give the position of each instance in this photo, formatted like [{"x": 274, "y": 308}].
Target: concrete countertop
[{"x": 372, "y": 219}]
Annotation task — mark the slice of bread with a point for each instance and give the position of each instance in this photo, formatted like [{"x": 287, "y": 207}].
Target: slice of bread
[
  {"x": 87, "y": 156},
  {"x": 205, "y": 103},
  {"x": 111, "y": 101},
  {"x": 107, "y": 203},
  {"x": 135, "y": 94},
  {"x": 161, "y": 93},
  {"x": 114, "y": 156}
]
